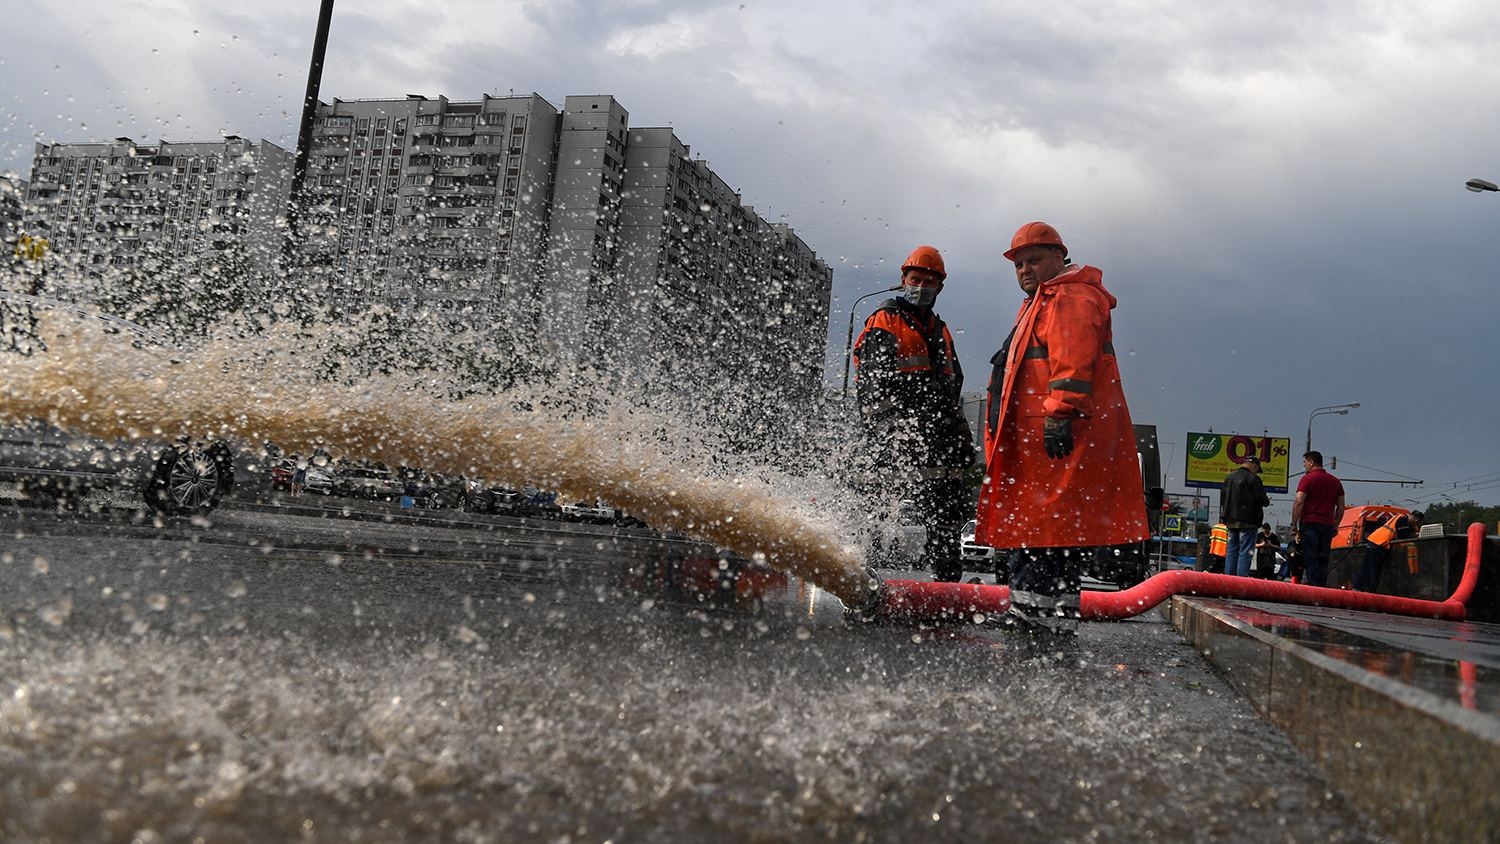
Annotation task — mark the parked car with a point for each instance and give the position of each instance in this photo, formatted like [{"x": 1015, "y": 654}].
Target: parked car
[
  {"x": 595, "y": 511},
  {"x": 977, "y": 557},
  {"x": 538, "y": 503},
  {"x": 60, "y": 468},
  {"x": 48, "y": 464},
  {"x": 368, "y": 483},
  {"x": 317, "y": 479},
  {"x": 482, "y": 497},
  {"x": 443, "y": 491}
]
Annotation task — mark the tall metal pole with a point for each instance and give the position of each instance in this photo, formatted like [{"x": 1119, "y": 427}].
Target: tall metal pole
[
  {"x": 309, "y": 115},
  {"x": 849, "y": 340}
]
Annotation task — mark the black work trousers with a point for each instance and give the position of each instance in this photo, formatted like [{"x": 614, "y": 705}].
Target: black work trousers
[{"x": 944, "y": 509}]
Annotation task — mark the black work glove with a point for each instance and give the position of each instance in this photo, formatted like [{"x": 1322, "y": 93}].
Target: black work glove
[{"x": 1057, "y": 436}]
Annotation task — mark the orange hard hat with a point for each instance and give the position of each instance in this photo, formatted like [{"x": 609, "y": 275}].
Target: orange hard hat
[
  {"x": 926, "y": 258},
  {"x": 1035, "y": 234}
]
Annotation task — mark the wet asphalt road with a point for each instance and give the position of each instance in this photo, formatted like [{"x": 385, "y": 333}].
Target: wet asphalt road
[{"x": 270, "y": 676}]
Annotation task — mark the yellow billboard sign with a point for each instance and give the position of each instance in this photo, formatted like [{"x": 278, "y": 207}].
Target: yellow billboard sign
[{"x": 1211, "y": 457}]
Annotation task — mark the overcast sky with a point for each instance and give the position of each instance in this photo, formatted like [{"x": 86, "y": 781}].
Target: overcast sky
[{"x": 1274, "y": 191}]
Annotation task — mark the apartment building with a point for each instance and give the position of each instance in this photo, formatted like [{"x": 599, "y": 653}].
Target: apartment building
[
  {"x": 124, "y": 205},
  {"x": 604, "y": 246},
  {"x": 591, "y": 243},
  {"x": 421, "y": 202},
  {"x": 704, "y": 283}
]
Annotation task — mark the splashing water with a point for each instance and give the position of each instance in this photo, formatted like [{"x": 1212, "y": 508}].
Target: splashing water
[{"x": 102, "y": 384}]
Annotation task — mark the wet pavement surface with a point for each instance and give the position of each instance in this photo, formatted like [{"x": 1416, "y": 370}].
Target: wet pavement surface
[
  {"x": 1401, "y": 713},
  {"x": 1457, "y": 662},
  {"x": 270, "y": 675}
]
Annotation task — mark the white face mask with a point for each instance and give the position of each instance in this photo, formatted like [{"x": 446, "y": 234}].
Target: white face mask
[{"x": 922, "y": 297}]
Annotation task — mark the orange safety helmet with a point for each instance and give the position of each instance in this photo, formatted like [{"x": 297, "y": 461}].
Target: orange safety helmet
[
  {"x": 1035, "y": 234},
  {"x": 925, "y": 258}
]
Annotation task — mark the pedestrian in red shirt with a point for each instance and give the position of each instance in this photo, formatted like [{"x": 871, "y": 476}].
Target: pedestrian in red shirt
[{"x": 1315, "y": 516}]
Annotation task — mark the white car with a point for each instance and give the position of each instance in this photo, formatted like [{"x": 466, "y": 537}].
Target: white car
[
  {"x": 980, "y": 557},
  {"x": 596, "y": 511}
]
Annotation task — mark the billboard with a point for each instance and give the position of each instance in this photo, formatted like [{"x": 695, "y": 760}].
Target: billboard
[{"x": 1210, "y": 457}]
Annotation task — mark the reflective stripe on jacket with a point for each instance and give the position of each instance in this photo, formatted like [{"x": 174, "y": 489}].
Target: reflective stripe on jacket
[
  {"x": 911, "y": 345},
  {"x": 1218, "y": 540}
]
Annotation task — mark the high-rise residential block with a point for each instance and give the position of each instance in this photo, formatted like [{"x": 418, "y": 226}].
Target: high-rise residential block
[
  {"x": 124, "y": 205},
  {"x": 565, "y": 233}
]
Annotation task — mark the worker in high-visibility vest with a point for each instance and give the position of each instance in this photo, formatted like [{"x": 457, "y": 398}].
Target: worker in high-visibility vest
[
  {"x": 1218, "y": 547},
  {"x": 1399, "y": 526}
]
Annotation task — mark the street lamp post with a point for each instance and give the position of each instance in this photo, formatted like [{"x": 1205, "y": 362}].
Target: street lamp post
[
  {"x": 849, "y": 340},
  {"x": 1335, "y": 409},
  {"x": 1481, "y": 185},
  {"x": 305, "y": 126}
]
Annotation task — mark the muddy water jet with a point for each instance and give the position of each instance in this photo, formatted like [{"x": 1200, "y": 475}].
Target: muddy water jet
[{"x": 101, "y": 384}]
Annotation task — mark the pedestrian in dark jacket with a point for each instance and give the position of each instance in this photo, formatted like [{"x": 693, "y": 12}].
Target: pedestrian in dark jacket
[
  {"x": 1267, "y": 549},
  {"x": 1242, "y": 504}
]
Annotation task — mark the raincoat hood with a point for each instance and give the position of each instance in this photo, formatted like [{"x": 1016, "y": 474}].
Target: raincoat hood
[{"x": 1079, "y": 274}]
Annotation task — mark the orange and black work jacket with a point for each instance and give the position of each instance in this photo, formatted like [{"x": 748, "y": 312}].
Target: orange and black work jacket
[
  {"x": 1060, "y": 362},
  {"x": 908, "y": 383}
]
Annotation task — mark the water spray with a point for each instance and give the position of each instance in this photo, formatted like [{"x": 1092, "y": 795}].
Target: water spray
[{"x": 111, "y": 386}]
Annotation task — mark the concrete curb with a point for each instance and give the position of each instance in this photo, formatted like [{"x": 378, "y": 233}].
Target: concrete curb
[{"x": 1424, "y": 767}]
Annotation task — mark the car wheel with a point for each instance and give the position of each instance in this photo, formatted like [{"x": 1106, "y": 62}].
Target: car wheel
[{"x": 185, "y": 480}]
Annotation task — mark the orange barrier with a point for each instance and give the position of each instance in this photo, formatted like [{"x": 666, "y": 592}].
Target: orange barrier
[{"x": 915, "y": 600}]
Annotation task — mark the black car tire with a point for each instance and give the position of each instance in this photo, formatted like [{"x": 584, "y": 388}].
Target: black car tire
[{"x": 185, "y": 480}]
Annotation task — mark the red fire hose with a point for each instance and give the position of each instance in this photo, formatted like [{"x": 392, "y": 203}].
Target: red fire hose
[{"x": 915, "y": 600}]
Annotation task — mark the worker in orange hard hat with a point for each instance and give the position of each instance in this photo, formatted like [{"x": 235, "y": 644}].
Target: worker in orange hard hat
[
  {"x": 908, "y": 385},
  {"x": 1061, "y": 477}
]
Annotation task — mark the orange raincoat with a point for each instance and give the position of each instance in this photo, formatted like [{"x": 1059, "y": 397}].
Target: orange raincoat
[{"x": 1062, "y": 363}]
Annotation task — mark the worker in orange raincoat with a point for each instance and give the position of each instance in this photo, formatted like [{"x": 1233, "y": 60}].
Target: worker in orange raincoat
[{"x": 1061, "y": 476}]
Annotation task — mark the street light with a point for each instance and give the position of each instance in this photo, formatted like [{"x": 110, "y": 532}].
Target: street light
[
  {"x": 1481, "y": 185},
  {"x": 1335, "y": 409},
  {"x": 849, "y": 341}
]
